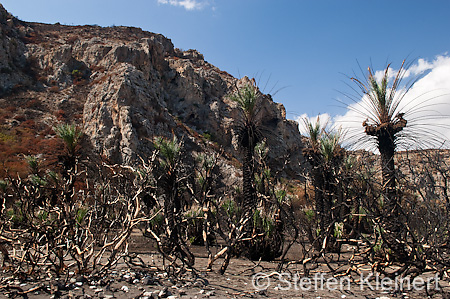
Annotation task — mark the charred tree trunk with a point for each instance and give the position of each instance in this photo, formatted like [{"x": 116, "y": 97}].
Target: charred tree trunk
[
  {"x": 171, "y": 204},
  {"x": 387, "y": 150},
  {"x": 318, "y": 182},
  {"x": 249, "y": 142},
  {"x": 172, "y": 208},
  {"x": 249, "y": 201},
  {"x": 328, "y": 199},
  {"x": 395, "y": 230}
]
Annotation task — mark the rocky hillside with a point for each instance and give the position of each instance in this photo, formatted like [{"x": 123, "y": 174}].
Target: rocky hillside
[{"x": 124, "y": 86}]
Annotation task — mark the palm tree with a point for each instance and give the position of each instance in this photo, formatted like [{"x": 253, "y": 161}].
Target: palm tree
[
  {"x": 324, "y": 154},
  {"x": 169, "y": 176},
  {"x": 249, "y": 136},
  {"x": 314, "y": 158},
  {"x": 71, "y": 136},
  {"x": 383, "y": 124}
]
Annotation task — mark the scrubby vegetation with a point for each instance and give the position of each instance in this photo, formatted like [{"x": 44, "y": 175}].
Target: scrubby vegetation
[{"x": 77, "y": 213}]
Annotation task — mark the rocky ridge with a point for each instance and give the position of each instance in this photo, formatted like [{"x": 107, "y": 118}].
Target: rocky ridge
[{"x": 125, "y": 86}]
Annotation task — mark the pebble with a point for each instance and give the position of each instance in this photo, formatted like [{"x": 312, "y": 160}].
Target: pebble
[
  {"x": 164, "y": 293},
  {"x": 147, "y": 280},
  {"x": 81, "y": 279},
  {"x": 78, "y": 283},
  {"x": 124, "y": 289}
]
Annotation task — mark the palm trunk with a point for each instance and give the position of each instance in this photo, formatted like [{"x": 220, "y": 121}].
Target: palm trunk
[
  {"x": 328, "y": 199},
  {"x": 395, "y": 230},
  {"x": 387, "y": 149},
  {"x": 318, "y": 183},
  {"x": 249, "y": 202}
]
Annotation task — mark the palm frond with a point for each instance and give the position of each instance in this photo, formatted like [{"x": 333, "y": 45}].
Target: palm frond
[
  {"x": 70, "y": 134},
  {"x": 169, "y": 149}
]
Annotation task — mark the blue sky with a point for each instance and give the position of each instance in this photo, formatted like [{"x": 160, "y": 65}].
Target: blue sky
[{"x": 304, "y": 48}]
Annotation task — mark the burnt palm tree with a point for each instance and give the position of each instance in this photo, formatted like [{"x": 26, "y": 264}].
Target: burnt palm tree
[
  {"x": 314, "y": 158},
  {"x": 71, "y": 136},
  {"x": 169, "y": 179},
  {"x": 249, "y": 136},
  {"x": 324, "y": 154},
  {"x": 383, "y": 124}
]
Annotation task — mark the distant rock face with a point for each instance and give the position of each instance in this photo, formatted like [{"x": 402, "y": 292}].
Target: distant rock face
[
  {"x": 12, "y": 54},
  {"x": 133, "y": 86},
  {"x": 198, "y": 97}
]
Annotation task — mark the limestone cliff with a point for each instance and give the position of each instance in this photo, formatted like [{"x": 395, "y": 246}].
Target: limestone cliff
[{"x": 125, "y": 86}]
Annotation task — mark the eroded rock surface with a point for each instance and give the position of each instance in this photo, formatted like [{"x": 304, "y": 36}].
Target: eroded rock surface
[{"x": 127, "y": 86}]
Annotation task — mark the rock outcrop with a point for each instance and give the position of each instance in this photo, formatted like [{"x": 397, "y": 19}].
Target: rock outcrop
[
  {"x": 127, "y": 86},
  {"x": 13, "y": 62}
]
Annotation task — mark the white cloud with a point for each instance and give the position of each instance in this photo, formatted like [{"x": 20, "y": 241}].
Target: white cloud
[
  {"x": 426, "y": 106},
  {"x": 187, "y": 4},
  {"x": 324, "y": 119}
]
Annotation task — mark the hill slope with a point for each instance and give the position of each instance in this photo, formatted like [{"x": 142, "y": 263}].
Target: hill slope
[{"x": 125, "y": 86}]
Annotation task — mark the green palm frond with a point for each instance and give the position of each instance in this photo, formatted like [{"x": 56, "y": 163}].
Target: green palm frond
[
  {"x": 33, "y": 164},
  {"x": 314, "y": 131},
  {"x": 205, "y": 161},
  {"x": 246, "y": 98},
  {"x": 330, "y": 143},
  {"x": 71, "y": 136},
  {"x": 382, "y": 95},
  {"x": 248, "y": 123},
  {"x": 169, "y": 150},
  {"x": 261, "y": 150}
]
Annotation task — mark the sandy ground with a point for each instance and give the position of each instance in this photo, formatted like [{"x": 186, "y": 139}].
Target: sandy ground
[{"x": 240, "y": 281}]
